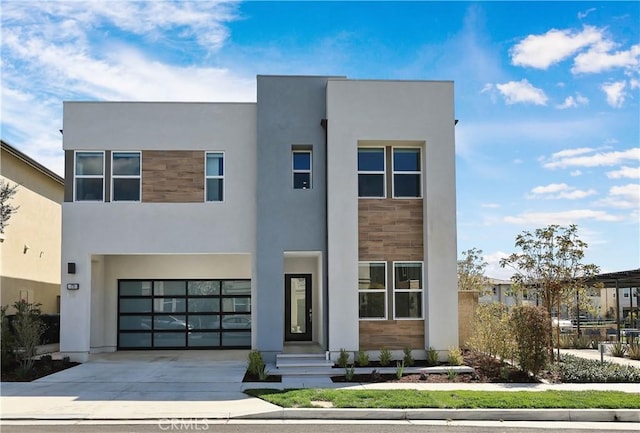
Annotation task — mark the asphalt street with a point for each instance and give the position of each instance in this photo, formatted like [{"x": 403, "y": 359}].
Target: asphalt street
[{"x": 220, "y": 426}]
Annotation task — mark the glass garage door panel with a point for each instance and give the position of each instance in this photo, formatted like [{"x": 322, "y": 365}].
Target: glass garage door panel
[
  {"x": 138, "y": 340},
  {"x": 169, "y": 339},
  {"x": 184, "y": 314},
  {"x": 135, "y": 305}
]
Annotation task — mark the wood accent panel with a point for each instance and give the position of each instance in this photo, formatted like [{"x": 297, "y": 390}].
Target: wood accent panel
[
  {"x": 172, "y": 176},
  {"x": 390, "y": 229},
  {"x": 392, "y": 334}
]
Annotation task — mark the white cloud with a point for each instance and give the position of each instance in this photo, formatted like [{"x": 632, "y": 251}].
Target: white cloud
[
  {"x": 52, "y": 51},
  {"x": 522, "y": 91},
  {"x": 584, "y": 14},
  {"x": 599, "y": 59},
  {"x": 490, "y": 205},
  {"x": 493, "y": 269},
  {"x": 542, "y": 51},
  {"x": 625, "y": 172},
  {"x": 575, "y": 173},
  {"x": 564, "y": 160},
  {"x": 615, "y": 93},
  {"x": 571, "y": 102},
  {"x": 622, "y": 197},
  {"x": 561, "y": 218},
  {"x": 560, "y": 191}
]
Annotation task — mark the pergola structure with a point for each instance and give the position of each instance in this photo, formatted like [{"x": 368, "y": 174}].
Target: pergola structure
[{"x": 619, "y": 280}]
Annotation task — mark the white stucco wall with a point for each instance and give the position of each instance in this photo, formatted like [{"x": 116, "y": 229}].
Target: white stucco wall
[
  {"x": 97, "y": 229},
  {"x": 416, "y": 111}
]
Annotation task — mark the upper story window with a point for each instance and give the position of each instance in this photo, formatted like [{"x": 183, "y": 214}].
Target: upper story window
[
  {"x": 372, "y": 290},
  {"x": 302, "y": 163},
  {"x": 214, "y": 174},
  {"x": 408, "y": 288},
  {"x": 125, "y": 176},
  {"x": 89, "y": 176},
  {"x": 407, "y": 179},
  {"x": 371, "y": 168}
]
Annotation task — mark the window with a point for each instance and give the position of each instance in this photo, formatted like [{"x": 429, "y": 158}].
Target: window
[
  {"x": 406, "y": 172},
  {"x": 214, "y": 173},
  {"x": 372, "y": 290},
  {"x": 301, "y": 169},
  {"x": 89, "y": 176},
  {"x": 125, "y": 177},
  {"x": 407, "y": 287},
  {"x": 371, "y": 167}
]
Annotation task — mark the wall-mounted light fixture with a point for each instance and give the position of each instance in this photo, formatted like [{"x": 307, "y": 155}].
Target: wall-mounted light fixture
[
  {"x": 71, "y": 268},
  {"x": 25, "y": 249}
]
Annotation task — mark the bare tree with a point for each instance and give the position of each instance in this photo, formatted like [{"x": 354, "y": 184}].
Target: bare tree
[
  {"x": 7, "y": 191},
  {"x": 550, "y": 266},
  {"x": 471, "y": 271}
]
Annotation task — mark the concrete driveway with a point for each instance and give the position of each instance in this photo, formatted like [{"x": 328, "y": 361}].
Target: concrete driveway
[{"x": 138, "y": 385}]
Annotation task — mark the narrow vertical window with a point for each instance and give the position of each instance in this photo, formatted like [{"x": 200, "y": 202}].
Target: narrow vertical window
[
  {"x": 302, "y": 163},
  {"x": 372, "y": 290},
  {"x": 407, "y": 179},
  {"x": 408, "y": 289},
  {"x": 371, "y": 176},
  {"x": 214, "y": 173},
  {"x": 125, "y": 176},
  {"x": 89, "y": 176}
]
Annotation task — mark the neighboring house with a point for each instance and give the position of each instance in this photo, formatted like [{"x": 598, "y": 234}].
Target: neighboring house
[
  {"x": 497, "y": 290},
  {"x": 323, "y": 214},
  {"x": 30, "y": 245}
]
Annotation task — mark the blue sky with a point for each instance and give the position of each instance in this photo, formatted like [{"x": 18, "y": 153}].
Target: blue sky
[{"x": 547, "y": 93}]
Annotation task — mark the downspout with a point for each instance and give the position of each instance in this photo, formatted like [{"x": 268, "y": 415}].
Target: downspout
[{"x": 325, "y": 262}]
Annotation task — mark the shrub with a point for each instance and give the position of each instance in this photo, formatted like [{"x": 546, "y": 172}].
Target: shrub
[
  {"x": 385, "y": 357},
  {"x": 349, "y": 372},
  {"x": 28, "y": 331},
  {"x": 581, "y": 342},
  {"x": 634, "y": 350},
  {"x": 617, "y": 349},
  {"x": 572, "y": 369},
  {"x": 343, "y": 358},
  {"x": 452, "y": 374},
  {"x": 399, "y": 369},
  {"x": 263, "y": 374},
  {"x": 408, "y": 357},
  {"x": 455, "y": 356},
  {"x": 7, "y": 340},
  {"x": 363, "y": 358},
  {"x": 432, "y": 357},
  {"x": 491, "y": 331},
  {"x": 256, "y": 363},
  {"x": 530, "y": 327}
]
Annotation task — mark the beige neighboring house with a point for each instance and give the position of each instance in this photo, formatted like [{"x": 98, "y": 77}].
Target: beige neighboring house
[{"x": 31, "y": 243}]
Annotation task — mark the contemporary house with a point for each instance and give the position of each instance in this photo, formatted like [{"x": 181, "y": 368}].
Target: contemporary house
[
  {"x": 321, "y": 215},
  {"x": 30, "y": 244}
]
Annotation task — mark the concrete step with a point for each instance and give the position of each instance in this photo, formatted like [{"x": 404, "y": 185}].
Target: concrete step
[{"x": 303, "y": 361}]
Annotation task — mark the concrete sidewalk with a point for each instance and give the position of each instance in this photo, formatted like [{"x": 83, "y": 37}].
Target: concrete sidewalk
[{"x": 208, "y": 385}]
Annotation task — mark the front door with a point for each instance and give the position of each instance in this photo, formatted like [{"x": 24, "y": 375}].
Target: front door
[{"x": 297, "y": 295}]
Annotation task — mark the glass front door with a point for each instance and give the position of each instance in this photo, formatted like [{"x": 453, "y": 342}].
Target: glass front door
[{"x": 298, "y": 312}]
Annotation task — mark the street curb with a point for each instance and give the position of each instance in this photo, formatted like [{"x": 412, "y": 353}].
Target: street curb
[
  {"x": 549, "y": 415},
  {"x": 576, "y": 415}
]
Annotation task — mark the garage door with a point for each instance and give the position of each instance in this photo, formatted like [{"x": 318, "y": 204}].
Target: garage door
[{"x": 184, "y": 314}]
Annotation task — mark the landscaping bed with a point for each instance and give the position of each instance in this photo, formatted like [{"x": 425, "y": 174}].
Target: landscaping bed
[
  {"x": 42, "y": 367},
  {"x": 569, "y": 369}
]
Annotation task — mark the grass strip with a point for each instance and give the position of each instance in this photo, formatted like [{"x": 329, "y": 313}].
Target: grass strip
[{"x": 413, "y": 399}]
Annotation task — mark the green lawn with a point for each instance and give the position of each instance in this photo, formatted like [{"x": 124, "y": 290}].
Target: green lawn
[{"x": 412, "y": 399}]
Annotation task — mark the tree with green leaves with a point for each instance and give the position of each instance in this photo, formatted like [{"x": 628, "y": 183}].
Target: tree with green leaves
[
  {"x": 471, "y": 271},
  {"x": 7, "y": 191},
  {"x": 549, "y": 266}
]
